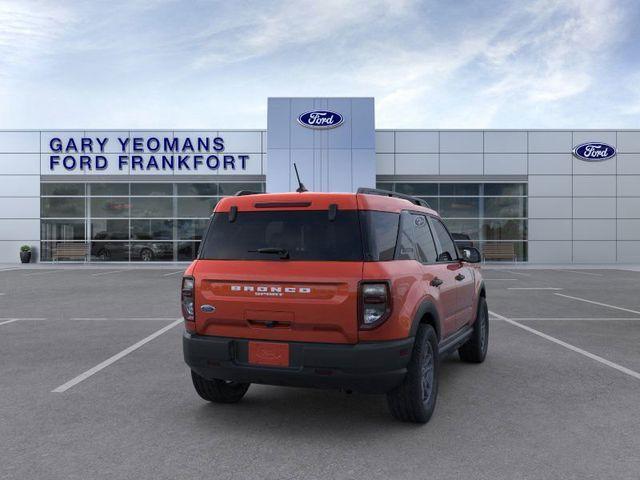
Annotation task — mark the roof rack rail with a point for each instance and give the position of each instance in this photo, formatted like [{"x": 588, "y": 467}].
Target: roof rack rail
[
  {"x": 387, "y": 193},
  {"x": 242, "y": 193}
]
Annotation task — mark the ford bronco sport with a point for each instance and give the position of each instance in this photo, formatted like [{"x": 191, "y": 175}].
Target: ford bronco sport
[{"x": 361, "y": 292}]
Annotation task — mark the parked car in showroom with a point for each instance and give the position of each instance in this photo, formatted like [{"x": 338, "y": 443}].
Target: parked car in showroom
[{"x": 114, "y": 247}]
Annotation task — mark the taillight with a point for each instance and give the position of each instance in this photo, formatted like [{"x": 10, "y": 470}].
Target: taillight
[
  {"x": 375, "y": 304},
  {"x": 187, "y": 299}
]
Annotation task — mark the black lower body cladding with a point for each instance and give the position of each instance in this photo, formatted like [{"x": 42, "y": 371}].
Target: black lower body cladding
[{"x": 374, "y": 367}]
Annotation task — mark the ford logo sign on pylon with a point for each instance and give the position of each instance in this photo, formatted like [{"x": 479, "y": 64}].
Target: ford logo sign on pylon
[
  {"x": 321, "y": 119},
  {"x": 594, "y": 151}
]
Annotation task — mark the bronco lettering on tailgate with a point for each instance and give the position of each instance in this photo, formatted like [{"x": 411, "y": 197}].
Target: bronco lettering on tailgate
[{"x": 269, "y": 291}]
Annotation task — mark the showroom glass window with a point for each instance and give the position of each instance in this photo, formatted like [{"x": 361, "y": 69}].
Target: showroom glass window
[
  {"x": 477, "y": 213},
  {"x": 131, "y": 221}
]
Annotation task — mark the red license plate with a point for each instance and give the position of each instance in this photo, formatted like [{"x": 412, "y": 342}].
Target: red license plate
[{"x": 269, "y": 353}]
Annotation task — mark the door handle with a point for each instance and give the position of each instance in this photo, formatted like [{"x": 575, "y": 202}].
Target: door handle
[
  {"x": 459, "y": 277},
  {"x": 436, "y": 282}
]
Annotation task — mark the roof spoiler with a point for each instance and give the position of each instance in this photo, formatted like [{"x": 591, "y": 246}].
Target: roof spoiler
[
  {"x": 387, "y": 193},
  {"x": 242, "y": 193}
]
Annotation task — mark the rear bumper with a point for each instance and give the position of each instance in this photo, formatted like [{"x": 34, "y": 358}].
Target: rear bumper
[{"x": 374, "y": 367}]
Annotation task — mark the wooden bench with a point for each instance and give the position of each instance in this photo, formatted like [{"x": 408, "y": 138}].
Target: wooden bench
[
  {"x": 499, "y": 251},
  {"x": 70, "y": 250}
]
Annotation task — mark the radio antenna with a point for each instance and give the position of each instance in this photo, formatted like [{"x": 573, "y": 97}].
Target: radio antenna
[{"x": 301, "y": 188}]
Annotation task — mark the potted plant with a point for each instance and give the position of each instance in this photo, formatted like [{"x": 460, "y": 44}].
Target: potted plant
[{"x": 25, "y": 253}]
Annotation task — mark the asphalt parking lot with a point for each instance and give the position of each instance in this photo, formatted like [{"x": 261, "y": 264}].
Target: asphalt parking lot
[{"x": 93, "y": 385}]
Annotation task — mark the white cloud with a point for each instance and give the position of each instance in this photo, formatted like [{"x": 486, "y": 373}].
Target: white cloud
[
  {"x": 555, "y": 54},
  {"x": 28, "y": 29},
  {"x": 173, "y": 64},
  {"x": 289, "y": 24},
  {"x": 548, "y": 52}
]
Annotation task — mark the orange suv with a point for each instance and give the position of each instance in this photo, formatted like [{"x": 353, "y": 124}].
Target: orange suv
[{"x": 356, "y": 291}]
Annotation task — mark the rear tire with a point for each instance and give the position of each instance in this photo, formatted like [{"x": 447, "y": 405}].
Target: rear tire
[
  {"x": 146, "y": 255},
  {"x": 414, "y": 400},
  {"x": 475, "y": 349},
  {"x": 104, "y": 255},
  {"x": 219, "y": 391}
]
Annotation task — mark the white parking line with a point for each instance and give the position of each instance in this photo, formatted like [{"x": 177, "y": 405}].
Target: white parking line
[
  {"x": 83, "y": 376},
  {"x": 519, "y": 273},
  {"x": 172, "y": 273},
  {"x": 10, "y": 269},
  {"x": 598, "y": 303},
  {"x": 579, "y": 272},
  {"x": 1, "y": 294},
  {"x": 534, "y": 288},
  {"x": 20, "y": 319},
  {"x": 578, "y": 319},
  {"x": 11, "y": 320},
  {"x": 106, "y": 273},
  {"x": 573, "y": 348},
  {"x": 91, "y": 319}
]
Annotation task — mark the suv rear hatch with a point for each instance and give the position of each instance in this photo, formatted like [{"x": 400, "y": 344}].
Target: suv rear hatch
[{"x": 285, "y": 271}]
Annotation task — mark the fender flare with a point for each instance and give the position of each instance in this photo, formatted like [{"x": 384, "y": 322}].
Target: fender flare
[
  {"x": 482, "y": 289},
  {"x": 426, "y": 307},
  {"x": 480, "y": 292}
]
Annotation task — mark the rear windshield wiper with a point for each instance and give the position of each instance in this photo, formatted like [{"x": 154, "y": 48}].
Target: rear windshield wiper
[{"x": 284, "y": 254}]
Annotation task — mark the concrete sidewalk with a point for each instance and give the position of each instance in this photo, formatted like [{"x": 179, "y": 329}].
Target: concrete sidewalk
[
  {"x": 568, "y": 266},
  {"x": 94, "y": 266},
  {"x": 171, "y": 265}
]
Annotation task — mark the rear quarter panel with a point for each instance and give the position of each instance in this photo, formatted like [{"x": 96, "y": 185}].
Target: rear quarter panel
[
  {"x": 190, "y": 269},
  {"x": 408, "y": 292}
]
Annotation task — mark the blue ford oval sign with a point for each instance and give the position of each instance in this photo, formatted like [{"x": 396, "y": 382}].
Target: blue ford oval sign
[
  {"x": 321, "y": 119},
  {"x": 594, "y": 151}
]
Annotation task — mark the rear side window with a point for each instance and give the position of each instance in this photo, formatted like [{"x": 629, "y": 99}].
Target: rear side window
[
  {"x": 415, "y": 241},
  {"x": 405, "y": 249},
  {"x": 424, "y": 240},
  {"x": 304, "y": 235},
  {"x": 447, "y": 252},
  {"x": 380, "y": 231}
]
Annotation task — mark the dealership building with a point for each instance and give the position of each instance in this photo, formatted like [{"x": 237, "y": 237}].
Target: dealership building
[{"x": 537, "y": 196}]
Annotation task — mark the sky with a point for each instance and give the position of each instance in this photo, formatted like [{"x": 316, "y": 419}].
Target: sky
[{"x": 429, "y": 64}]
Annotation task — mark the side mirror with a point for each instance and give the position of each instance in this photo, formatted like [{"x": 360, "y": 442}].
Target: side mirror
[{"x": 470, "y": 254}]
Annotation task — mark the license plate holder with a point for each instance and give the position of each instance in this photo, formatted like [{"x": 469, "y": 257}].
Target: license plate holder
[{"x": 271, "y": 354}]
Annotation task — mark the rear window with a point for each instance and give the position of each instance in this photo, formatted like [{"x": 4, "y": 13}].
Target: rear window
[{"x": 304, "y": 235}]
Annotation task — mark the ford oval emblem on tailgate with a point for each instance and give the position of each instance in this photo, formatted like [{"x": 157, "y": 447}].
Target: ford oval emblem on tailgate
[
  {"x": 208, "y": 308},
  {"x": 320, "y": 119}
]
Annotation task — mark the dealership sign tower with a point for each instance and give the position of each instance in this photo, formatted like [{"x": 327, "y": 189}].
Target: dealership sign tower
[{"x": 331, "y": 140}]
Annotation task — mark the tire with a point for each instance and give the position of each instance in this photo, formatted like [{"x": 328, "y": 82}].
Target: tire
[
  {"x": 219, "y": 391},
  {"x": 415, "y": 398},
  {"x": 475, "y": 349},
  {"x": 146, "y": 255},
  {"x": 104, "y": 255}
]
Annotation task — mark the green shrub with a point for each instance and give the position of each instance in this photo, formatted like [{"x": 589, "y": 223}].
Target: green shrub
[{"x": 25, "y": 248}]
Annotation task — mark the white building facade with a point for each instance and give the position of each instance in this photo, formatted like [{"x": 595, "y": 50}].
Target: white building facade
[{"x": 144, "y": 195}]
